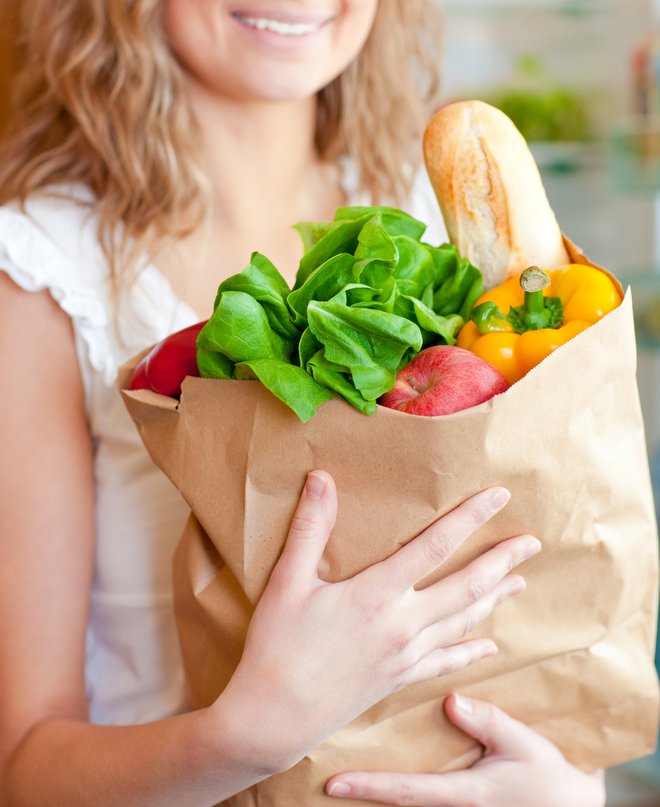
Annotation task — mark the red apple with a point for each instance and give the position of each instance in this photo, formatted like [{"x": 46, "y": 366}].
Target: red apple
[{"x": 443, "y": 379}]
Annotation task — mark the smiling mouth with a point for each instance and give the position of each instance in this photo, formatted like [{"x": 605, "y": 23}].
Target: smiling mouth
[{"x": 281, "y": 27}]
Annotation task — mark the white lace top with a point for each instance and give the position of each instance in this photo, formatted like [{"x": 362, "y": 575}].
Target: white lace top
[{"x": 133, "y": 670}]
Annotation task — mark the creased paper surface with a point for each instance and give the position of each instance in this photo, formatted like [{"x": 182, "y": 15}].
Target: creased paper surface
[{"x": 576, "y": 650}]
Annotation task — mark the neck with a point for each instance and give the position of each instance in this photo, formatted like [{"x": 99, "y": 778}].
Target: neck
[
  {"x": 264, "y": 176},
  {"x": 259, "y": 157}
]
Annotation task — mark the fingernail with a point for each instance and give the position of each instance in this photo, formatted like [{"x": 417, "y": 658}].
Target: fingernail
[
  {"x": 518, "y": 585},
  {"x": 531, "y": 547},
  {"x": 499, "y": 497},
  {"x": 315, "y": 486},
  {"x": 463, "y": 705},
  {"x": 339, "y": 789}
]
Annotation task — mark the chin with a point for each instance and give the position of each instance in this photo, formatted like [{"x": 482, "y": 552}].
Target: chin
[{"x": 280, "y": 86}]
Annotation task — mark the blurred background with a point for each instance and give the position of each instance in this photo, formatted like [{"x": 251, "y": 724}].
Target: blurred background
[{"x": 581, "y": 79}]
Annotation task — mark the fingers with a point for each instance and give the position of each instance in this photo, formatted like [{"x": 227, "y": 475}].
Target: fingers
[
  {"x": 474, "y": 582},
  {"x": 447, "y": 660},
  {"x": 432, "y": 547},
  {"x": 532, "y": 772},
  {"x": 415, "y": 790},
  {"x": 440, "y": 649},
  {"x": 498, "y": 732},
  {"x": 310, "y": 529},
  {"x": 495, "y": 730},
  {"x": 453, "y": 628}
]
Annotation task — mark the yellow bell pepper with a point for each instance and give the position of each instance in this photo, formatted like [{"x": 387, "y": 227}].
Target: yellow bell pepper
[{"x": 543, "y": 311}]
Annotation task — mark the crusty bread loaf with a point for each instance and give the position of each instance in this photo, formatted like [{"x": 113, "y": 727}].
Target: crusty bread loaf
[{"x": 490, "y": 192}]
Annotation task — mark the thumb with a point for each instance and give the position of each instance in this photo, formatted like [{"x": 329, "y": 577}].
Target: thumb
[
  {"x": 495, "y": 730},
  {"x": 310, "y": 529}
]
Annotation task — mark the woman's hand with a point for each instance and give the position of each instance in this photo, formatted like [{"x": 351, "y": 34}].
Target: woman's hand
[
  {"x": 318, "y": 654},
  {"x": 519, "y": 767}
]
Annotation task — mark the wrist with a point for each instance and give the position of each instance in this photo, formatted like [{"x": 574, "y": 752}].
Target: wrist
[{"x": 257, "y": 726}]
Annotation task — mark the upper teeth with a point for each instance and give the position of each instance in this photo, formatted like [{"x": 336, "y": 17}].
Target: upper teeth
[{"x": 279, "y": 27}]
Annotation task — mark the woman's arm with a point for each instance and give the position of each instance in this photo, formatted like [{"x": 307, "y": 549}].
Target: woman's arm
[
  {"x": 317, "y": 654},
  {"x": 49, "y": 753}
]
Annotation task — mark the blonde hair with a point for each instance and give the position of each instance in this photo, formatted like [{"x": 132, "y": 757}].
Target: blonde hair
[{"x": 100, "y": 102}]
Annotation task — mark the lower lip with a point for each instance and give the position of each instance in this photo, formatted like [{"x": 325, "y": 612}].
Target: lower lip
[{"x": 272, "y": 39}]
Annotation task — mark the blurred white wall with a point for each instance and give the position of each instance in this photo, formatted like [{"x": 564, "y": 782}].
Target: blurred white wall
[{"x": 590, "y": 52}]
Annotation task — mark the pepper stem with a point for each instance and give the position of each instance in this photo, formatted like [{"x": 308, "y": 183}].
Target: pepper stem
[{"x": 533, "y": 281}]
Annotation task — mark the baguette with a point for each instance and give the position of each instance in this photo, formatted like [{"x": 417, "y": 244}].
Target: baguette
[{"x": 490, "y": 192}]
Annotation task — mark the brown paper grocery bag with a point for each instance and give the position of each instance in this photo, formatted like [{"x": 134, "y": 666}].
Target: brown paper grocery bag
[{"x": 576, "y": 650}]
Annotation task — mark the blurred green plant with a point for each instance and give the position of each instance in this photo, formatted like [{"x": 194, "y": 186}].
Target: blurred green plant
[{"x": 542, "y": 109}]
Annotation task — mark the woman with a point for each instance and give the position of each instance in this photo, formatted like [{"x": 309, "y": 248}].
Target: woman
[{"x": 159, "y": 142}]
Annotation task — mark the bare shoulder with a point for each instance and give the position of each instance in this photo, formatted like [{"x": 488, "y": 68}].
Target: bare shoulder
[
  {"x": 43, "y": 391},
  {"x": 30, "y": 317},
  {"x": 46, "y": 513}
]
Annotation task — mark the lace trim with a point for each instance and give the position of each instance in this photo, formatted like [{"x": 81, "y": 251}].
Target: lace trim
[
  {"x": 35, "y": 263},
  {"x": 81, "y": 286}
]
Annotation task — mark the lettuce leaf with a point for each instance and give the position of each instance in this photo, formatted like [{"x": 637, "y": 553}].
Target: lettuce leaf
[{"x": 369, "y": 295}]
